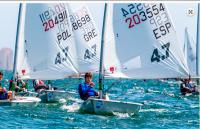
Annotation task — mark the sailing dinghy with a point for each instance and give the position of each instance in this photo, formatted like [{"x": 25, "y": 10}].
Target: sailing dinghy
[
  {"x": 138, "y": 42},
  {"x": 58, "y": 45},
  {"x": 16, "y": 100},
  {"x": 19, "y": 100},
  {"x": 47, "y": 48},
  {"x": 191, "y": 50}
]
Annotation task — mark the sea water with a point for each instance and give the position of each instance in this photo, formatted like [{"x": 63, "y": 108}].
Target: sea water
[{"x": 164, "y": 107}]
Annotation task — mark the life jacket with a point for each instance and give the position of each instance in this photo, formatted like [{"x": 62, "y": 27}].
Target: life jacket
[
  {"x": 82, "y": 95},
  {"x": 189, "y": 85},
  {"x": 85, "y": 91},
  {"x": 3, "y": 95},
  {"x": 40, "y": 82},
  {"x": 39, "y": 85},
  {"x": 186, "y": 88}
]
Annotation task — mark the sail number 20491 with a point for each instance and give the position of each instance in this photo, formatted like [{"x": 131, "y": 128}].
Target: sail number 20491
[{"x": 49, "y": 24}]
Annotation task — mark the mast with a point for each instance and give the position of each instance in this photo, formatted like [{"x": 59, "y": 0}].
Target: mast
[
  {"x": 198, "y": 47},
  {"x": 101, "y": 71},
  {"x": 17, "y": 42}
]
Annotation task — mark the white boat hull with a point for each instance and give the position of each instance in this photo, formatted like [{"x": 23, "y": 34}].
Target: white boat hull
[
  {"x": 50, "y": 96},
  {"x": 20, "y": 101},
  {"x": 28, "y": 93},
  {"x": 100, "y": 106}
]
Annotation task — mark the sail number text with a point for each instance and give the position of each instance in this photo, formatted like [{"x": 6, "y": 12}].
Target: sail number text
[
  {"x": 80, "y": 22},
  {"x": 52, "y": 21},
  {"x": 154, "y": 14},
  {"x": 83, "y": 22},
  {"x": 161, "y": 54},
  {"x": 60, "y": 58},
  {"x": 88, "y": 54}
]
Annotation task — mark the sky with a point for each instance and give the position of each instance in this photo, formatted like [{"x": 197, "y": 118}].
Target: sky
[
  {"x": 8, "y": 24},
  {"x": 178, "y": 12},
  {"x": 181, "y": 19}
]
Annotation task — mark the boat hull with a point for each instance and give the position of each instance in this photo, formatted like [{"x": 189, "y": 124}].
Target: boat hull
[
  {"x": 194, "y": 91},
  {"x": 100, "y": 106},
  {"x": 20, "y": 101},
  {"x": 51, "y": 96}
]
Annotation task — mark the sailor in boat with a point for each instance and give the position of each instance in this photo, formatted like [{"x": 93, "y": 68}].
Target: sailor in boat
[
  {"x": 3, "y": 92},
  {"x": 86, "y": 89},
  {"x": 4, "y": 95},
  {"x": 39, "y": 86},
  {"x": 1, "y": 78},
  {"x": 187, "y": 86},
  {"x": 23, "y": 85},
  {"x": 19, "y": 86}
]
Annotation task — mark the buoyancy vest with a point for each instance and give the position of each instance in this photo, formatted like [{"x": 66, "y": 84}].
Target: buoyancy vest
[{"x": 85, "y": 91}]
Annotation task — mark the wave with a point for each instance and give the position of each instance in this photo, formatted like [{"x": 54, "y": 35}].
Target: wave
[
  {"x": 71, "y": 108},
  {"x": 154, "y": 110}
]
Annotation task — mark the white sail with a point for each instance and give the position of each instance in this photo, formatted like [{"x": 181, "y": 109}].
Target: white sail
[
  {"x": 141, "y": 43},
  {"x": 48, "y": 44},
  {"x": 20, "y": 61},
  {"x": 58, "y": 38},
  {"x": 190, "y": 52},
  {"x": 86, "y": 37},
  {"x": 185, "y": 45}
]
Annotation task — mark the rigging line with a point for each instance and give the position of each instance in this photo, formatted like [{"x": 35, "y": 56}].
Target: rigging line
[
  {"x": 160, "y": 94},
  {"x": 159, "y": 97},
  {"x": 151, "y": 100},
  {"x": 122, "y": 94},
  {"x": 114, "y": 83}
]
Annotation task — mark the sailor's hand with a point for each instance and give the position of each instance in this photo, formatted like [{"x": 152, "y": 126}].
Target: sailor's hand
[
  {"x": 96, "y": 93},
  {"x": 91, "y": 84}
]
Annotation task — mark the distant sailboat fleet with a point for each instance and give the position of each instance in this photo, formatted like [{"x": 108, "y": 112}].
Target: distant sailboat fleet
[
  {"x": 191, "y": 50},
  {"x": 137, "y": 41}
]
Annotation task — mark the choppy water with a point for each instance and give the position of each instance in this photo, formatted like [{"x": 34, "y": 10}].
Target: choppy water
[{"x": 164, "y": 107}]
